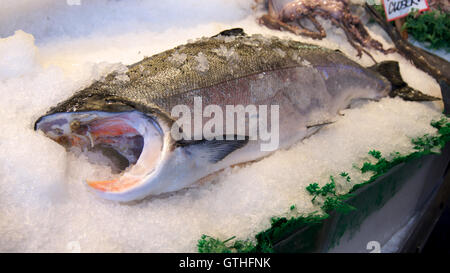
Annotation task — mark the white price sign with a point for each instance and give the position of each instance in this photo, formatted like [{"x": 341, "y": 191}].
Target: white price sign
[{"x": 395, "y": 9}]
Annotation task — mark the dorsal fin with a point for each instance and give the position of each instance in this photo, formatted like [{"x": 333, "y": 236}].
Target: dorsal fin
[{"x": 231, "y": 32}]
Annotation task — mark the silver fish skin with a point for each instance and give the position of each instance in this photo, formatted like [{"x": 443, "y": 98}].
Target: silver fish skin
[{"x": 126, "y": 117}]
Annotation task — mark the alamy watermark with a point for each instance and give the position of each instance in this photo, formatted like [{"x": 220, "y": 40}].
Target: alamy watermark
[
  {"x": 73, "y": 2},
  {"x": 239, "y": 122},
  {"x": 374, "y": 246}
]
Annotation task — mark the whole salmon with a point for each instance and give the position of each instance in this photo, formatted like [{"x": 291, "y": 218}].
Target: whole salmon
[{"x": 128, "y": 120}]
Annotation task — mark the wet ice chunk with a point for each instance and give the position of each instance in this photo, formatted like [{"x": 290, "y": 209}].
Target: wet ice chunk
[
  {"x": 229, "y": 54},
  {"x": 121, "y": 75},
  {"x": 121, "y": 78},
  {"x": 280, "y": 52},
  {"x": 203, "y": 64},
  {"x": 177, "y": 58},
  {"x": 306, "y": 63}
]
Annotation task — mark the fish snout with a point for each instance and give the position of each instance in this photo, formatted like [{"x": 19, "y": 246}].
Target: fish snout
[{"x": 64, "y": 130}]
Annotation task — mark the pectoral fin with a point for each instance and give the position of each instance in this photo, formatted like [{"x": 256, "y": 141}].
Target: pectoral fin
[
  {"x": 319, "y": 125},
  {"x": 314, "y": 128},
  {"x": 212, "y": 150}
]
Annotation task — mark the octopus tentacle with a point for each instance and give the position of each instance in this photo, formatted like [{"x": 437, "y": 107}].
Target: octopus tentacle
[
  {"x": 318, "y": 26},
  {"x": 318, "y": 34},
  {"x": 274, "y": 23},
  {"x": 348, "y": 34},
  {"x": 366, "y": 40}
]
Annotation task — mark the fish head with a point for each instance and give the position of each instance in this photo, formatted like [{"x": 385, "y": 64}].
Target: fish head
[{"x": 131, "y": 143}]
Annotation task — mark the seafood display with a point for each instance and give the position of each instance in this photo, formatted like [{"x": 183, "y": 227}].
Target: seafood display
[
  {"x": 287, "y": 15},
  {"x": 110, "y": 128},
  {"x": 127, "y": 117}
]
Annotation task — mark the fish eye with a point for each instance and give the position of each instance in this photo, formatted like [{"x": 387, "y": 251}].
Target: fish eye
[
  {"x": 75, "y": 125},
  {"x": 78, "y": 128}
]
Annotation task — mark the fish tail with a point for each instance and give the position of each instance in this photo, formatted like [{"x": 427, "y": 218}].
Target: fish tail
[{"x": 399, "y": 88}]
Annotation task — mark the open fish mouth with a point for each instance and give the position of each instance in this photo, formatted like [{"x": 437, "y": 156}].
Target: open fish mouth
[{"x": 129, "y": 142}]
